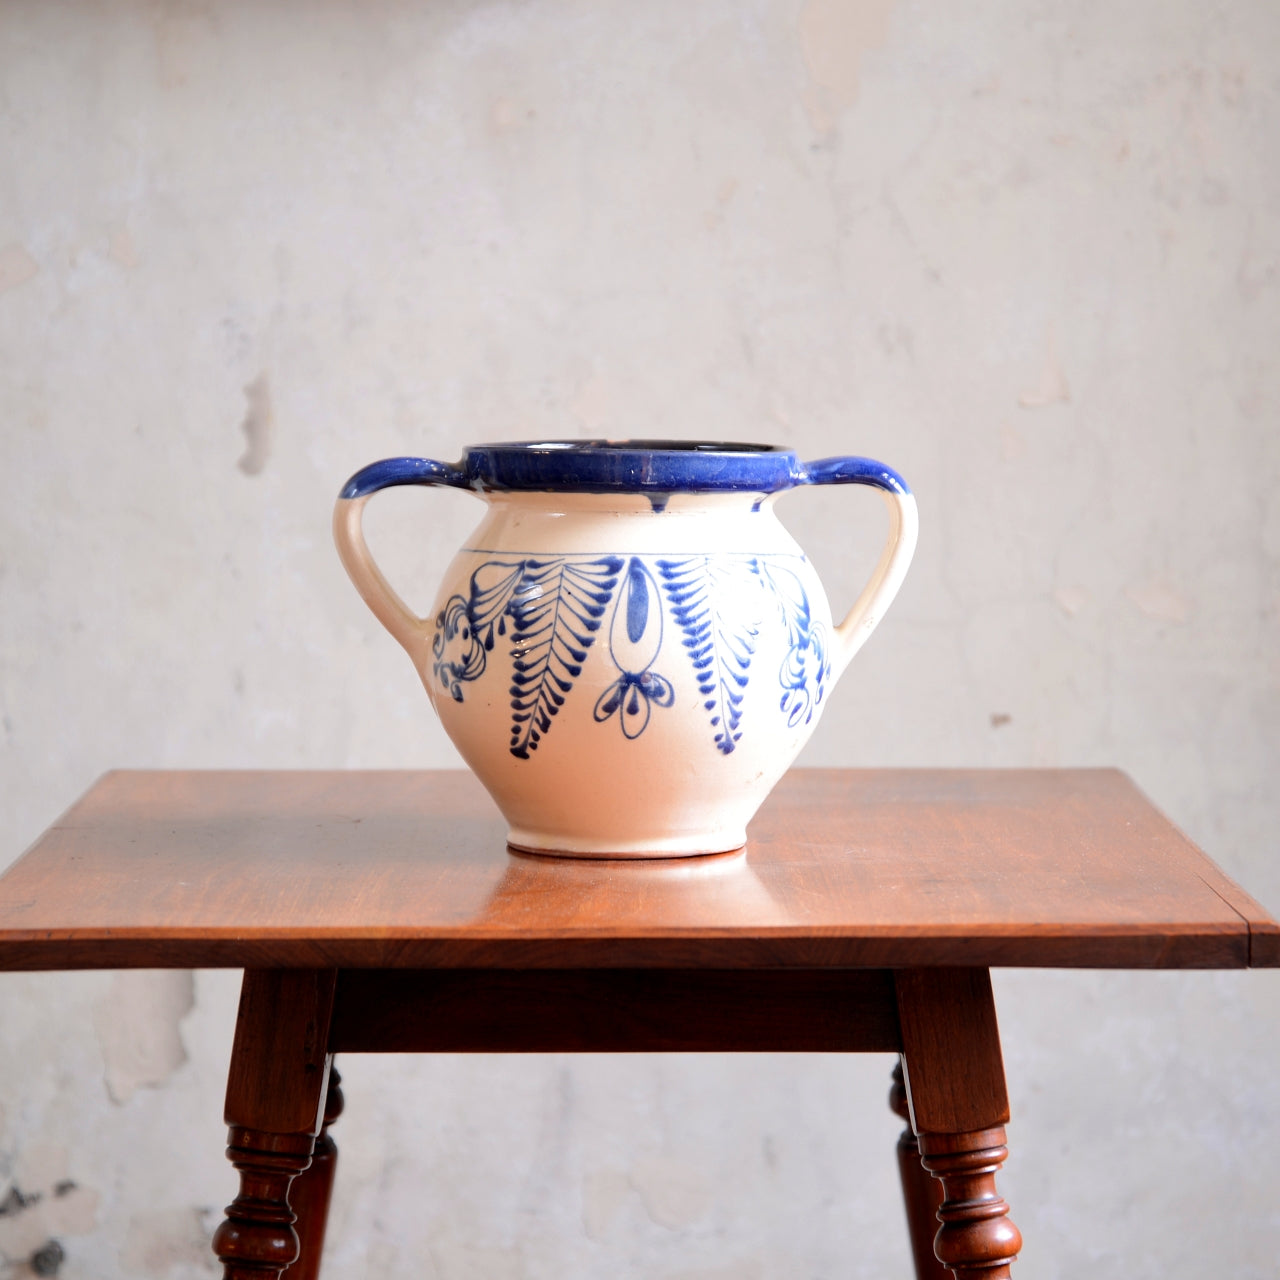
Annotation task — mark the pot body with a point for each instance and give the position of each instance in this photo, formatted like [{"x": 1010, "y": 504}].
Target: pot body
[
  {"x": 624, "y": 680},
  {"x": 628, "y": 674}
]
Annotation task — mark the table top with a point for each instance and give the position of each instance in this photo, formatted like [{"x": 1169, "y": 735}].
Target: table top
[{"x": 844, "y": 868}]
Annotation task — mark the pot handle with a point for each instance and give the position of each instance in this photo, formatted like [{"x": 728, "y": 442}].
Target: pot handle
[
  {"x": 348, "y": 533},
  {"x": 904, "y": 527}
]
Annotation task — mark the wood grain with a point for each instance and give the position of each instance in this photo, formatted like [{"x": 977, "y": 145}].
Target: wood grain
[
  {"x": 279, "y": 1058},
  {"x": 951, "y": 1058},
  {"x": 844, "y": 868}
]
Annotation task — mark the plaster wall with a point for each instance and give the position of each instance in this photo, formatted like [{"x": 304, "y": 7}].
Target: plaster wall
[{"x": 1027, "y": 251}]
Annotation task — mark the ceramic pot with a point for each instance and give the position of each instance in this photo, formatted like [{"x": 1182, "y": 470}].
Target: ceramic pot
[{"x": 630, "y": 650}]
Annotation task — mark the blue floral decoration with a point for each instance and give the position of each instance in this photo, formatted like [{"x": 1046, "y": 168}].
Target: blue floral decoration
[
  {"x": 554, "y": 608},
  {"x": 635, "y": 639},
  {"x": 720, "y": 649}
]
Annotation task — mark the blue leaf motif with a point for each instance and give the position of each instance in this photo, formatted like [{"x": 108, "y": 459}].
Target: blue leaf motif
[
  {"x": 807, "y": 664},
  {"x": 635, "y": 639},
  {"x": 465, "y": 626},
  {"x": 633, "y": 696},
  {"x": 492, "y": 586},
  {"x": 635, "y": 635},
  {"x": 719, "y": 647},
  {"x": 556, "y": 612},
  {"x": 637, "y": 598}
]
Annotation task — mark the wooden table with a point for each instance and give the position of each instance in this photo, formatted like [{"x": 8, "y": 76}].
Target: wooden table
[{"x": 381, "y": 912}]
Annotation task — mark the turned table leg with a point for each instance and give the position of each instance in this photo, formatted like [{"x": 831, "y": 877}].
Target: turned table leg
[
  {"x": 921, "y": 1193},
  {"x": 279, "y": 1068},
  {"x": 309, "y": 1195},
  {"x": 954, "y": 1078}
]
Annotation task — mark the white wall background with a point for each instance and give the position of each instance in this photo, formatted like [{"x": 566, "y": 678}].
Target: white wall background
[{"x": 1027, "y": 251}]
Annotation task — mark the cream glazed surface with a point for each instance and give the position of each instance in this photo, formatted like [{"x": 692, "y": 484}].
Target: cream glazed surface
[{"x": 629, "y": 671}]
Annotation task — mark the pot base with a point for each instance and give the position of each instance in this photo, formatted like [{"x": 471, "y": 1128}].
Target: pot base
[{"x": 699, "y": 846}]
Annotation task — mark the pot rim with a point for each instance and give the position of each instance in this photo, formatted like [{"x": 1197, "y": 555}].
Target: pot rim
[{"x": 634, "y": 466}]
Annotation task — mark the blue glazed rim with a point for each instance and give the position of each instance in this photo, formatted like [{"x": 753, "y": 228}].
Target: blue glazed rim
[
  {"x": 632, "y": 466},
  {"x": 646, "y": 466}
]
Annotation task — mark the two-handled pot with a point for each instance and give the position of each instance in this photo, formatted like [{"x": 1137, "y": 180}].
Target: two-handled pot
[{"x": 630, "y": 650}]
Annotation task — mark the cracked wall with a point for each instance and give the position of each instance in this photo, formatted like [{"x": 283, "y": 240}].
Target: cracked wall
[{"x": 1029, "y": 254}]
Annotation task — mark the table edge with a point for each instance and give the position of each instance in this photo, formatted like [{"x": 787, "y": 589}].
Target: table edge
[{"x": 1209, "y": 948}]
